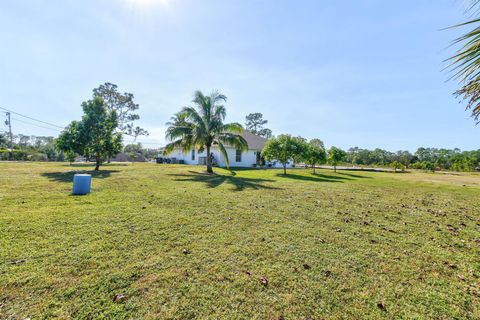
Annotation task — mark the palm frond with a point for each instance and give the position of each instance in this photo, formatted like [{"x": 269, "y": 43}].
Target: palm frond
[
  {"x": 233, "y": 140},
  {"x": 184, "y": 144},
  {"x": 224, "y": 153},
  {"x": 175, "y": 132},
  {"x": 465, "y": 64},
  {"x": 233, "y": 127},
  {"x": 194, "y": 117}
]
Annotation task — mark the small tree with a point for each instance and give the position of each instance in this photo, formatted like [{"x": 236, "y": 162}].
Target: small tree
[
  {"x": 284, "y": 148},
  {"x": 94, "y": 136},
  {"x": 315, "y": 153},
  {"x": 428, "y": 165},
  {"x": 398, "y": 165},
  {"x": 335, "y": 156},
  {"x": 70, "y": 156}
]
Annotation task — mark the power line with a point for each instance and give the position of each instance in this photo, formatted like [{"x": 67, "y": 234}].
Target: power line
[
  {"x": 33, "y": 124},
  {"x": 44, "y": 122},
  {"x": 57, "y": 130}
]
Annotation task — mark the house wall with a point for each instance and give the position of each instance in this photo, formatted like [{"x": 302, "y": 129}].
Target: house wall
[
  {"x": 186, "y": 157},
  {"x": 249, "y": 158}
]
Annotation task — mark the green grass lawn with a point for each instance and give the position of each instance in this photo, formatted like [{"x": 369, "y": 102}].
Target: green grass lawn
[{"x": 179, "y": 244}]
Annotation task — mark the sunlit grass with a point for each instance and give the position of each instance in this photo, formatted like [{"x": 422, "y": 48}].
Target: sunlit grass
[{"x": 180, "y": 244}]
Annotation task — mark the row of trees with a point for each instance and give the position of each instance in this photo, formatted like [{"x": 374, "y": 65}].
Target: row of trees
[
  {"x": 32, "y": 148},
  {"x": 202, "y": 127},
  {"x": 44, "y": 148},
  {"x": 286, "y": 148},
  {"x": 423, "y": 158}
]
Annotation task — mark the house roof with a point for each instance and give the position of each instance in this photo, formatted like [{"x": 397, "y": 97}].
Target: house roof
[{"x": 254, "y": 142}]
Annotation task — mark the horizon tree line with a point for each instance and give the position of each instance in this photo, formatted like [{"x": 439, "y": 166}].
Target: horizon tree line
[{"x": 99, "y": 136}]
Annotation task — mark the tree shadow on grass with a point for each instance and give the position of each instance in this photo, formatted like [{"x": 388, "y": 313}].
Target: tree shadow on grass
[
  {"x": 353, "y": 175},
  {"x": 317, "y": 177},
  {"x": 215, "y": 180},
  {"x": 67, "y": 176},
  {"x": 92, "y": 165}
]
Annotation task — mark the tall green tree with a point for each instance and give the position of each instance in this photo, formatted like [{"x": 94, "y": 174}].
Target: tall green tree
[
  {"x": 202, "y": 127},
  {"x": 124, "y": 105},
  {"x": 254, "y": 123},
  {"x": 466, "y": 62},
  {"x": 315, "y": 153},
  {"x": 95, "y": 135},
  {"x": 284, "y": 148},
  {"x": 335, "y": 156}
]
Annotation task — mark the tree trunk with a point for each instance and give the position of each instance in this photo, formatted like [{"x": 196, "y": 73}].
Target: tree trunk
[
  {"x": 284, "y": 169},
  {"x": 97, "y": 163},
  {"x": 334, "y": 168},
  {"x": 209, "y": 161},
  {"x": 313, "y": 168}
]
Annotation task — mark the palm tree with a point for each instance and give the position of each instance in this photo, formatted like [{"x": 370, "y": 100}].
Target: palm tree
[
  {"x": 466, "y": 63},
  {"x": 202, "y": 127}
]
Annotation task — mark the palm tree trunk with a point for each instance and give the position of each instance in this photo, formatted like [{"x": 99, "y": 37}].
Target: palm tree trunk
[{"x": 209, "y": 161}]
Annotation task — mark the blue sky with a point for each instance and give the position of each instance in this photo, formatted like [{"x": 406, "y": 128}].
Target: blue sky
[{"x": 364, "y": 73}]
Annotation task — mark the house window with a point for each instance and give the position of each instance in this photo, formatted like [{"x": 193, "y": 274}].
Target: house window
[
  {"x": 238, "y": 155},
  {"x": 193, "y": 154}
]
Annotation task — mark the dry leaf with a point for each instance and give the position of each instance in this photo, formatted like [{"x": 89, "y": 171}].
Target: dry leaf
[
  {"x": 264, "y": 280},
  {"x": 119, "y": 297}
]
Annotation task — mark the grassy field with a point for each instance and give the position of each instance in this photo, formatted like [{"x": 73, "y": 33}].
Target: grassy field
[{"x": 170, "y": 242}]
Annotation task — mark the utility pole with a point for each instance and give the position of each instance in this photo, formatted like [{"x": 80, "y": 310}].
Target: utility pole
[
  {"x": 10, "y": 130},
  {"x": 9, "y": 122}
]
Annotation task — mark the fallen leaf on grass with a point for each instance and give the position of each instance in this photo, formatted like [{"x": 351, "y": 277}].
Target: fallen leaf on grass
[
  {"x": 327, "y": 273},
  {"x": 186, "y": 251},
  {"x": 119, "y": 297},
  {"x": 306, "y": 266},
  {"x": 264, "y": 281},
  {"x": 18, "y": 261}
]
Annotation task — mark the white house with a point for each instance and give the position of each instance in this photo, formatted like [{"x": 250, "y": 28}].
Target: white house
[{"x": 236, "y": 158}]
